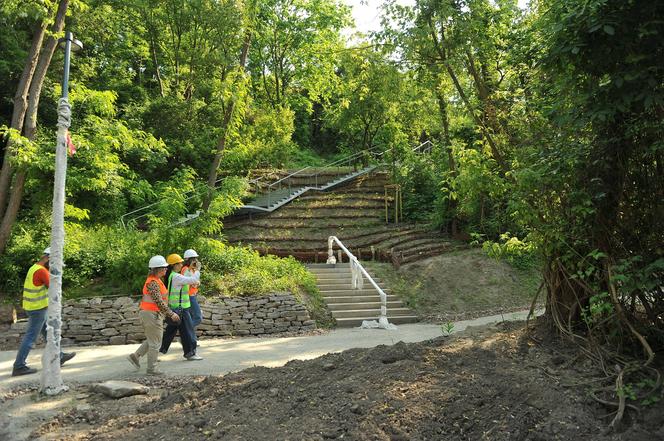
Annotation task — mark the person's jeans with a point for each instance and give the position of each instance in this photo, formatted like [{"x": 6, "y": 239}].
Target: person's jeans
[
  {"x": 195, "y": 311},
  {"x": 187, "y": 334},
  {"x": 36, "y": 325}
]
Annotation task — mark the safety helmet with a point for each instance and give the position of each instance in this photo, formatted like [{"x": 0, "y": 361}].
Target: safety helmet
[
  {"x": 172, "y": 259},
  {"x": 190, "y": 253},
  {"x": 47, "y": 251},
  {"x": 157, "y": 262}
]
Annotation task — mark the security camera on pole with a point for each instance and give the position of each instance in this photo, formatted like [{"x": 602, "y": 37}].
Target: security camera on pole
[{"x": 51, "y": 379}]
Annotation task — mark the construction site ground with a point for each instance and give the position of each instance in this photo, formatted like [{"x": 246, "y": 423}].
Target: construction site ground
[
  {"x": 482, "y": 379},
  {"x": 489, "y": 382}
]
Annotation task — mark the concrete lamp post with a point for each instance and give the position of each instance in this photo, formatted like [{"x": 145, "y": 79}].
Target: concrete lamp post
[{"x": 51, "y": 378}]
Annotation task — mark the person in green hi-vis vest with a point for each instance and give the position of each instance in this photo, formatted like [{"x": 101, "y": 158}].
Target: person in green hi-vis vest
[
  {"x": 35, "y": 303},
  {"x": 178, "y": 301}
]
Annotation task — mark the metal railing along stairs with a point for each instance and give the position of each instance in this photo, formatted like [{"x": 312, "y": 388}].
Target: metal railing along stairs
[
  {"x": 280, "y": 192},
  {"x": 358, "y": 274}
]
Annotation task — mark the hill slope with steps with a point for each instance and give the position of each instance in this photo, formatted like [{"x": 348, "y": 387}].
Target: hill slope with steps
[
  {"x": 354, "y": 212},
  {"x": 350, "y": 307}
]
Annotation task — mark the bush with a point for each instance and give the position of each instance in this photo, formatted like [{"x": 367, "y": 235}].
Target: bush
[
  {"x": 105, "y": 260},
  {"x": 520, "y": 254}
]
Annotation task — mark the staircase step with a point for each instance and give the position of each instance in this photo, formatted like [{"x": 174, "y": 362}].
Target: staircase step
[
  {"x": 354, "y": 293},
  {"x": 372, "y": 312},
  {"x": 326, "y": 287},
  {"x": 329, "y": 271},
  {"x": 367, "y": 290},
  {"x": 344, "y": 280},
  {"x": 327, "y": 265},
  {"x": 363, "y": 306},
  {"x": 357, "y": 321},
  {"x": 370, "y": 298}
]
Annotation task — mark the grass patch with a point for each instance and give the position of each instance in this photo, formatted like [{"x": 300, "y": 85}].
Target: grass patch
[{"x": 460, "y": 283}]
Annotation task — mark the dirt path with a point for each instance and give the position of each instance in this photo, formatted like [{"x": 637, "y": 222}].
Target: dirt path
[
  {"x": 221, "y": 356},
  {"x": 487, "y": 383}
]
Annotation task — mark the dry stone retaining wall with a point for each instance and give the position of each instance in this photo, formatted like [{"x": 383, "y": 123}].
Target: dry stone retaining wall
[{"x": 100, "y": 321}]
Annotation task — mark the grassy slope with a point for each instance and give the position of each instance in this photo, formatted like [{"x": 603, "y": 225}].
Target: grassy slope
[{"x": 459, "y": 284}]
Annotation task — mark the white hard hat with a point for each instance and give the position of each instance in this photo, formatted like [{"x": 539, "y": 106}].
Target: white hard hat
[
  {"x": 157, "y": 262},
  {"x": 190, "y": 253},
  {"x": 47, "y": 251}
]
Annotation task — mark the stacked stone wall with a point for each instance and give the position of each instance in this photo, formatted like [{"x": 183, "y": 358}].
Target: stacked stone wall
[{"x": 100, "y": 321}]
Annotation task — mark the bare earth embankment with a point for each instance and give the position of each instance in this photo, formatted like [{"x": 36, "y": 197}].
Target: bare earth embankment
[{"x": 490, "y": 383}]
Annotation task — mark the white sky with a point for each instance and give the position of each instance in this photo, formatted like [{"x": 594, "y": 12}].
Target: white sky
[{"x": 366, "y": 13}]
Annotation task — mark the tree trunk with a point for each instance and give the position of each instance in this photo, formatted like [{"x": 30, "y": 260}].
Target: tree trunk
[
  {"x": 42, "y": 67},
  {"x": 30, "y": 125},
  {"x": 452, "y": 224},
  {"x": 495, "y": 152},
  {"x": 20, "y": 107},
  {"x": 221, "y": 145},
  {"x": 12, "y": 209}
]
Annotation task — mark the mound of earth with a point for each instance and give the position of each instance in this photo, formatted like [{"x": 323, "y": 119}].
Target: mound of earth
[
  {"x": 460, "y": 285},
  {"x": 485, "y": 384}
]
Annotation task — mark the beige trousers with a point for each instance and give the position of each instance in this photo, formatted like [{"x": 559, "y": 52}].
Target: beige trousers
[{"x": 153, "y": 325}]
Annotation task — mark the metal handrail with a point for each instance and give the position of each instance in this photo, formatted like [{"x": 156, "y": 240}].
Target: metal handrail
[
  {"x": 286, "y": 177},
  {"x": 414, "y": 149},
  {"x": 194, "y": 192},
  {"x": 357, "y": 271}
]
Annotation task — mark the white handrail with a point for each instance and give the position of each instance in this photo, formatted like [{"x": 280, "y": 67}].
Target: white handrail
[{"x": 357, "y": 271}]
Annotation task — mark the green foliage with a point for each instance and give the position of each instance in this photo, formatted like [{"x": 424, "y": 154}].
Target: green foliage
[
  {"x": 264, "y": 142},
  {"x": 547, "y": 124},
  {"x": 519, "y": 253},
  {"x": 447, "y": 328}
]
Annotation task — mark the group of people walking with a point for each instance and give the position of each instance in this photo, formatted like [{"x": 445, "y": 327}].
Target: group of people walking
[{"x": 169, "y": 293}]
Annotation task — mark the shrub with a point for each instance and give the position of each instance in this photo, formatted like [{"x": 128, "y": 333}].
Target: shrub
[{"x": 519, "y": 253}]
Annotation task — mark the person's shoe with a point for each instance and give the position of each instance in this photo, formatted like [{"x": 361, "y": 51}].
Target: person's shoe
[
  {"x": 133, "y": 359},
  {"x": 162, "y": 352},
  {"x": 23, "y": 371},
  {"x": 66, "y": 356},
  {"x": 154, "y": 372},
  {"x": 194, "y": 357}
]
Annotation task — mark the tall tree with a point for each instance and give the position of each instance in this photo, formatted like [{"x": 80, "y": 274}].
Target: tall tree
[{"x": 30, "y": 124}]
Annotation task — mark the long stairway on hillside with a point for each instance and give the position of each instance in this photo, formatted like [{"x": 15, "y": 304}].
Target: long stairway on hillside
[
  {"x": 353, "y": 211},
  {"x": 350, "y": 306}
]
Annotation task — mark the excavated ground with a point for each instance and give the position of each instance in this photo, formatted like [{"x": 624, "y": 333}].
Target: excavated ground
[{"x": 490, "y": 383}]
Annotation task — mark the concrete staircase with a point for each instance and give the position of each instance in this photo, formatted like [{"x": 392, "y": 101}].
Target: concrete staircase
[
  {"x": 350, "y": 306},
  {"x": 354, "y": 211}
]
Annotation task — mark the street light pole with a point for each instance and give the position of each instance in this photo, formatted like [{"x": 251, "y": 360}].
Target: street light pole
[{"x": 51, "y": 378}]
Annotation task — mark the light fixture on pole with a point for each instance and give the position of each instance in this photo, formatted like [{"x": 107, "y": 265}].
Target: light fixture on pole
[
  {"x": 51, "y": 378},
  {"x": 69, "y": 44}
]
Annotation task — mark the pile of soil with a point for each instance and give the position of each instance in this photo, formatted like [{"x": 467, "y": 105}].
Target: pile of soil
[{"x": 490, "y": 383}]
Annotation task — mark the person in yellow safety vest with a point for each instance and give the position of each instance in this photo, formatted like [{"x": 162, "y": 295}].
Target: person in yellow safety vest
[
  {"x": 178, "y": 300},
  {"x": 35, "y": 303},
  {"x": 153, "y": 309},
  {"x": 191, "y": 258}
]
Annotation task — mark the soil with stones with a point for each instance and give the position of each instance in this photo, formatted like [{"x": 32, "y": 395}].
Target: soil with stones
[{"x": 489, "y": 383}]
